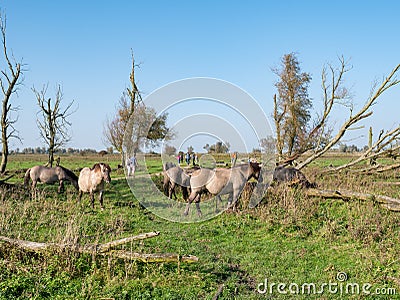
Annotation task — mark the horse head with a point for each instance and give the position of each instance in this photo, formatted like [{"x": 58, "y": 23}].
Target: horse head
[
  {"x": 69, "y": 175},
  {"x": 103, "y": 170},
  {"x": 255, "y": 170}
]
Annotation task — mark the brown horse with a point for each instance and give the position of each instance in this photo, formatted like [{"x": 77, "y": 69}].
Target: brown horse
[
  {"x": 174, "y": 176},
  {"x": 221, "y": 181},
  {"x": 50, "y": 175},
  {"x": 91, "y": 180},
  {"x": 292, "y": 176}
]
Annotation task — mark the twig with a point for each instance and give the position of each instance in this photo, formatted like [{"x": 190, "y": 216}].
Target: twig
[{"x": 219, "y": 292}]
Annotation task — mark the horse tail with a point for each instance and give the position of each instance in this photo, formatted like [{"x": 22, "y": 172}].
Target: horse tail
[{"x": 27, "y": 177}]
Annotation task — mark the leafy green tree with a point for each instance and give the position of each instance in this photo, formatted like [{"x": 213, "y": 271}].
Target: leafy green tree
[
  {"x": 292, "y": 105},
  {"x": 218, "y": 147},
  {"x": 146, "y": 125}
]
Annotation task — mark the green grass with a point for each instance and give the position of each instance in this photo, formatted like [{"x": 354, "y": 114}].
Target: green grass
[{"x": 286, "y": 239}]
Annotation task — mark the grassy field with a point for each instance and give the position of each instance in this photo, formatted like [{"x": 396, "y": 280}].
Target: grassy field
[{"x": 283, "y": 249}]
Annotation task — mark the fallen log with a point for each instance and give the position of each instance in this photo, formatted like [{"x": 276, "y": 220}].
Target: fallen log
[
  {"x": 386, "y": 182},
  {"x": 377, "y": 169},
  {"x": 7, "y": 178},
  {"x": 152, "y": 257},
  {"x": 387, "y": 202},
  {"x": 102, "y": 249}
]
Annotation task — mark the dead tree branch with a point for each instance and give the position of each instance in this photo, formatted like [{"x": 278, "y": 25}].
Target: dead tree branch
[
  {"x": 376, "y": 150},
  {"x": 102, "y": 249},
  {"x": 363, "y": 113},
  {"x": 53, "y": 124},
  {"x": 385, "y": 201}
]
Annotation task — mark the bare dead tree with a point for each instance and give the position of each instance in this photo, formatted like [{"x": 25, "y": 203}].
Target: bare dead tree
[
  {"x": 11, "y": 78},
  {"x": 53, "y": 123},
  {"x": 383, "y": 146},
  {"x": 334, "y": 92},
  {"x": 133, "y": 92}
]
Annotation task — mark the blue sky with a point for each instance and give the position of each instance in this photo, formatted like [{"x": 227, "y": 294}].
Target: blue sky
[{"x": 86, "y": 47}]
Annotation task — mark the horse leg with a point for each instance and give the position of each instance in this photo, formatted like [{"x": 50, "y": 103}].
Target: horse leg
[
  {"x": 166, "y": 187},
  {"x": 185, "y": 192},
  {"x": 192, "y": 196},
  {"x": 174, "y": 192},
  {"x": 34, "y": 182},
  {"x": 197, "y": 201},
  {"x": 61, "y": 186},
  {"x": 231, "y": 200},
  {"x": 101, "y": 200},
  {"x": 92, "y": 199},
  {"x": 171, "y": 191},
  {"x": 235, "y": 196},
  {"x": 217, "y": 199}
]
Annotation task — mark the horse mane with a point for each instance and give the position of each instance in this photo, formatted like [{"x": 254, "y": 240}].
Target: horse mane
[
  {"x": 96, "y": 167},
  {"x": 69, "y": 173}
]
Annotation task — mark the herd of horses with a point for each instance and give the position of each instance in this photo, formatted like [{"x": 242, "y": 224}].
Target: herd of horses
[
  {"x": 217, "y": 182},
  {"x": 194, "y": 182},
  {"x": 90, "y": 180},
  {"x": 221, "y": 181}
]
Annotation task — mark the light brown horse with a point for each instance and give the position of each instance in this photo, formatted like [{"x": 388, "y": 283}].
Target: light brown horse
[
  {"x": 221, "y": 181},
  {"x": 50, "y": 175},
  {"x": 91, "y": 180}
]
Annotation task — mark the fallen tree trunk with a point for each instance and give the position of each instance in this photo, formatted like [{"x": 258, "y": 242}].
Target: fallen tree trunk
[
  {"x": 102, "y": 249},
  {"x": 160, "y": 257},
  {"x": 387, "y": 202},
  {"x": 387, "y": 182}
]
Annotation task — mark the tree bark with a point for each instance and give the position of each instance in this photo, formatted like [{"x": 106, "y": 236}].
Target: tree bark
[{"x": 4, "y": 153}]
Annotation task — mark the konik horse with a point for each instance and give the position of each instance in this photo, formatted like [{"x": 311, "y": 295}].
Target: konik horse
[
  {"x": 221, "y": 181},
  {"x": 92, "y": 180},
  {"x": 50, "y": 175},
  {"x": 292, "y": 176},
  {"x": 173, "y": 176}
]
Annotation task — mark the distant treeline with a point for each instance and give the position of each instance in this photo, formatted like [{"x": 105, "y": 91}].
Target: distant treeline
[{"x": 43, "y": 150}]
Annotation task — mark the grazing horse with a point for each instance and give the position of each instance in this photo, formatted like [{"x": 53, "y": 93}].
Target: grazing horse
[
  {"x": 166, "y": 179},
  {"x": 221, "y": 181},
  {"x": 174, "y": 176},
  {"x": 291, "y": 175},
  {"x": 50, "y": 175},
  {"x": 91, "y": 180}
]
